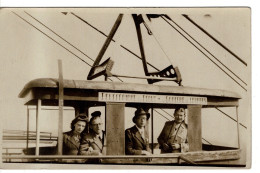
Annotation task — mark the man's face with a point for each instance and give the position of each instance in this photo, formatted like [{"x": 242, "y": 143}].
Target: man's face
[
  {"x": 141, "y": 121},
  {"x": 179, "y": 115},
  {"x": 80, "y": 126},
  {"x": 97, "y": 125}
]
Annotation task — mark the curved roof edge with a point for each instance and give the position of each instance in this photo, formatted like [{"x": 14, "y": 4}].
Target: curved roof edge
[{"x": 117, "y": 86}]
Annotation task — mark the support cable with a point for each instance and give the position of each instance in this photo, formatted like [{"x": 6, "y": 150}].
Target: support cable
[
  {"x": 59, "y": 36},
  {"x": 213, "y": 38},
  {"x": 230, "y": 117},
  {"x": 206, "y": 56},
  {"x": 167, "y": 113},
  {"x": 53, "y": 40},
  {"x": 207, "y": 50}
]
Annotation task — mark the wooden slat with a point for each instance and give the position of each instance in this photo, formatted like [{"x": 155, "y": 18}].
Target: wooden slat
[
  {"x": 38, "y": 114},
  {"x": 202, "y": 156},
  {"x": 115, "y": 128},
  {"x": 238, "y": 134},
  {"x": 213, "y": 155},
  {"x": 60, "y": 125},
  {"x": 194, "y": 128}
]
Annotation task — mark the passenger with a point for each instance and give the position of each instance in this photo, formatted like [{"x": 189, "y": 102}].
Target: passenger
[
  {"x": 71, "y": 139},
  {"x": 93, "y": 142},
  {"x": 136, "y": 139},
  {"x": 173, "y": 138}
]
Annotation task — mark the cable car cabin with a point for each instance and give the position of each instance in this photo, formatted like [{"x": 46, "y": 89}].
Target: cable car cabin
[{"x": 116, "y": 97}]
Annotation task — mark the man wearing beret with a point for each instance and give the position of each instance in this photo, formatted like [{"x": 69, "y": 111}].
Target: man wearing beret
[
  {"x": 136, "y": 139},
  {"x": 173, "y": 138}
]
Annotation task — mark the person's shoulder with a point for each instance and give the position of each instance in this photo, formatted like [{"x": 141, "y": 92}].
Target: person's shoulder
[
  {"x": 131, "y": 129},
  {"x": 169, "y": 122},
  {"x": 69, "y": 133},
  {"x": 87, "y": 136},
  {"x": 185, "y": 125}
]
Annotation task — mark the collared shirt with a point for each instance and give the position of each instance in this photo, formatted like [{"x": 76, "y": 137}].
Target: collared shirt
[
  {"x": 141, "y": 130},
  {"x": 98, "y": 137},
  {"x": 76, "y": 136}
]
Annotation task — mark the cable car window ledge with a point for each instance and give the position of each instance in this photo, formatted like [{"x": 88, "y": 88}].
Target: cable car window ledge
[{"x": 170, "y": 158}]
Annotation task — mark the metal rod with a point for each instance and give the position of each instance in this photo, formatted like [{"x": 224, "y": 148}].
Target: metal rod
[
  {"x": 108, "y": 40},
  {"x": 140, "y": 41},
  {"x": 38, "y": 127},
  {"x": 152, "y": 129},
  {"x": 238, "y": 134},
  {"x": 60, "y": 129},
  {"x": 213, "y": 38},
  {"x": 144, "y": 77},
  {"x": 27, "y": 129}
]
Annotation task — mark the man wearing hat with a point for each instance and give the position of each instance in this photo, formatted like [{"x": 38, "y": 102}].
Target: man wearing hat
[
  {"x": 173, "y": 138},
  {"x": 136, "y": 139},
  {"x": 92, "y": 143}
]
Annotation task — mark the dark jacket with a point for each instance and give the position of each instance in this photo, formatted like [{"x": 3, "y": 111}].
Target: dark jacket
[
  {"x": 70, "y": 144},
  {"x": 172, "y": 134},
  {"x": 134, "y": 143},
  {"x": 90, "y": 140}
]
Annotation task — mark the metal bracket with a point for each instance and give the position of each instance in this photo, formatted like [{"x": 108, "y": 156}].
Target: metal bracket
[
  {"x": 170, "y": 71},
  {"x": 102, "y": 69}
]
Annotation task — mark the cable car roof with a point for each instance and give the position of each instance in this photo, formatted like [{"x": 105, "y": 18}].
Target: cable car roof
[{"x": 126, "y": 87}]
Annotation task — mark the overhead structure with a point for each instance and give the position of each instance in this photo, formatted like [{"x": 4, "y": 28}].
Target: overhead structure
[{"x": 169, "y": 73}]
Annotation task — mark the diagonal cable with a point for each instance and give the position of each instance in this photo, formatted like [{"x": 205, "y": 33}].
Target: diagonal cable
[
  {"x": 59, "y": 36},
  {"x": 230, "y": 117},
  {"x": 205, "y": 55},
  {"x": 213, "y": 38},
  {"x": 207, "y": 51},
  {"x": 53, "y": 40}
]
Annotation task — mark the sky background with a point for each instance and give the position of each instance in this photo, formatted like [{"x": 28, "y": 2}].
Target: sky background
[{"x": 27, "y": 54}]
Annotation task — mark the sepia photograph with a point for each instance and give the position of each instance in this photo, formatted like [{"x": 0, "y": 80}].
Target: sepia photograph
[{"x": 125, "y": 87}]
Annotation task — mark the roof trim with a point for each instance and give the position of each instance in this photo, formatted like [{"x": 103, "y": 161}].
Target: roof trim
[{"x": 118, "y": 86}]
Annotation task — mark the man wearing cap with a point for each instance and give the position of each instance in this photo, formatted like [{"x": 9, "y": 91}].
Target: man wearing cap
[
  {"x": 173, "y": 138},
  {"x": 136, "y": 139},
  {"x": 92, "y": 143}
]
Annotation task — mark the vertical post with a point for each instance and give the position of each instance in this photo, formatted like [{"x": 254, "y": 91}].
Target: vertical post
[
  {"x": 238, "y": 134},
  {"x": 152, "y": 129},
  {"x": 27, "y": 129},
  {"x": 38, "y": 127},
  {"x": 60, "y": 126},
  {"x": 115, "y": 128},
  {"x": 194, "y": 128}
]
